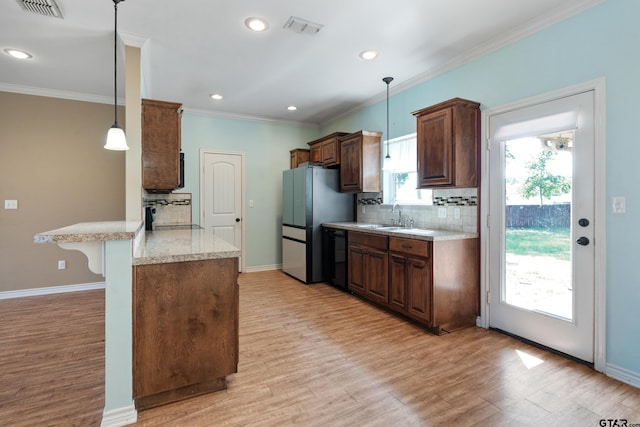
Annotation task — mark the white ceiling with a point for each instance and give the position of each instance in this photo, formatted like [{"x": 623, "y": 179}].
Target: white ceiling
[{"x": 195, "y": 47}]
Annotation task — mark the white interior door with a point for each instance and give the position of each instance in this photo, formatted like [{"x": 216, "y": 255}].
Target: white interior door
[
  {"x": 541, "y": 224},
  {"x": 221, "y": 198}
]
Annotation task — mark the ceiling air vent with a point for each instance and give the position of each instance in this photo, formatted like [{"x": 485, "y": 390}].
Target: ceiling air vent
[
  {"x": 42, "y": 7},
  {"x": 303, "y": 26}
]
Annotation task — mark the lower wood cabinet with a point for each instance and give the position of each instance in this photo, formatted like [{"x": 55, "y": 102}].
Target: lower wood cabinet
[
  {"x": 411, "y": 277},
  {"x": 185, "y": 329},
  {"x": 434, "y": 283},
  {"x": 369, "y": 266}
]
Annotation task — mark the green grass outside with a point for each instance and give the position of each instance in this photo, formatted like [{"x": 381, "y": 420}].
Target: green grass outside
[{"x": 535, "y": 241}]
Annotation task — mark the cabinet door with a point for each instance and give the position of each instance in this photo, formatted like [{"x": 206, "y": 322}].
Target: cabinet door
[
  {"x": 160, "y": 145},
  {"x": 315, "y": 153},
  {"x": 398, "y": 282},
  {"x": 356, "y": 269},
  {"x": 351, "y": 167},
  {"x": 330, "y": 152},
  {"x": 419, "y": 290},
  {"x": 377, "y": 275},
  {"x": 435, "y": 149}
]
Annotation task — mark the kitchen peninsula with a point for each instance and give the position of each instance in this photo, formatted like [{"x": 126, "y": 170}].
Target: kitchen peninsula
[
  {"x": 171, "y": 311},
  {"x": 185, "y": 315}
]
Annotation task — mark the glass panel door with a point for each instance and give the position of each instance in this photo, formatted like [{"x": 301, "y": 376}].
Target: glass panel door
[{"x": 541, "y": 213}]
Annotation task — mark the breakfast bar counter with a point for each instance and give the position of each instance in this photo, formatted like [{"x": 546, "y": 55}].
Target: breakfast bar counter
[{"x": 166, "y": 246}]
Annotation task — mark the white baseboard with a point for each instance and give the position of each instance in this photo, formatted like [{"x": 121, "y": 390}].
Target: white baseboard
[
  {"x": 51, "y": 290},
  {"x": 262, "y": 268},
  {"x": 119, "y": 417},
  {"x": 624, "y": 375}
]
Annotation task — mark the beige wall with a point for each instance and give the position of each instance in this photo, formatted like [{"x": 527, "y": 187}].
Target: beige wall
[{"x": 53, "y": 162}]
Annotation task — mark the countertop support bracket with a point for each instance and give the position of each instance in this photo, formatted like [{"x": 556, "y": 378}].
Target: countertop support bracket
[{"x": 94, "y": 251}]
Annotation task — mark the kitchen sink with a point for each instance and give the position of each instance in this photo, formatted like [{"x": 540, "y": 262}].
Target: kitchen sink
[{"x": 407, "y": 230}]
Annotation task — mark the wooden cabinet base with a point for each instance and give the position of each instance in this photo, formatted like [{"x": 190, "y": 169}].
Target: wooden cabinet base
[
  {"x": 434, "y": 284},
  {"x": 185, "y": 329},
  {"x": 182, "y": 393}
]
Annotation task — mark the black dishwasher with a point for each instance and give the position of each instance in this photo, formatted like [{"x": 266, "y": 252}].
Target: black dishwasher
[{"x": 334, "y": 256}]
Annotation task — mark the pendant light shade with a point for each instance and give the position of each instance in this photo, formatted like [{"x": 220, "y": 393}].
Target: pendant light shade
[{"x": 116, "y": 139}]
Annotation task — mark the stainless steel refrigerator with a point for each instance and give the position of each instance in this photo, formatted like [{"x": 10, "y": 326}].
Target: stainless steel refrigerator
[{"x": 310, "y": 197}]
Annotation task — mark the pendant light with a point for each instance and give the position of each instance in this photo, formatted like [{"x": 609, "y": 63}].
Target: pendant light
[
  {"x": 116, "y": 140},
  {"x": 387, "y": 80},
  {"x": 388, "y": 163}
]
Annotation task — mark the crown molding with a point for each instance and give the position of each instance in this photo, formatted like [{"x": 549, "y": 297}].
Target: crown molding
[
  {"x": 245, "y": 117},
  {"x": 53, "y": 93}
]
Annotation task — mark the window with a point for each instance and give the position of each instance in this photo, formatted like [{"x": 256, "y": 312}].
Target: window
[{"x": 399, "y": 176}]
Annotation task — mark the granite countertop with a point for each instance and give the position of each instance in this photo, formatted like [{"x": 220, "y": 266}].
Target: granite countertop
[
  {"x": 412, "y": 233},
  {"x": 165, "y": 246},
  {"x": 90, "y": 232}
]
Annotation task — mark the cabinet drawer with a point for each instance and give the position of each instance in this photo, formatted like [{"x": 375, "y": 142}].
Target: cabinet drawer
[
  {"x": 371, "y": 240},
  {"x": 410, "y": 246}
]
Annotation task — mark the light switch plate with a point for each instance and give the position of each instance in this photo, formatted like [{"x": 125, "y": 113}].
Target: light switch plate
[
  {"x": 619, "y": 205},
  {"x": 11, "y": 204},
  {"x": 442, "y": 212}
]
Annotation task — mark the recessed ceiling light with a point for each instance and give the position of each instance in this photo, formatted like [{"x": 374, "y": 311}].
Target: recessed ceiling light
[
  {"x": 256, "y": 24},
  {"x": 369, "y": 54},
  {"x": 17, "y": 53},
  {"x": 216, "y": 96},
  {"x": 292, "y": 108}
]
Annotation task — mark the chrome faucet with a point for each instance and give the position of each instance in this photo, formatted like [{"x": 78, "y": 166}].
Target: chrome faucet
[{"x": 393, "y": 208}]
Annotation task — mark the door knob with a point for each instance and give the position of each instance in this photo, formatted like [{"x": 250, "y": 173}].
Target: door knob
[
  {"x": 583, "y": 241},
  {"x": 583, "y": 222},
  {"x": 237, "y": 219}
]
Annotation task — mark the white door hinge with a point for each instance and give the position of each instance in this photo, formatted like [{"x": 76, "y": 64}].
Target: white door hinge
[
  {"x": 488, "y": 221},
  {"x": 488, "y": 297}
]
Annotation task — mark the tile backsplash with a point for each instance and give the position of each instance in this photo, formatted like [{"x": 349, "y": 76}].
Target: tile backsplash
[
  {"x": 171, "y": 208},
  {"x": 459, "y": 200}
]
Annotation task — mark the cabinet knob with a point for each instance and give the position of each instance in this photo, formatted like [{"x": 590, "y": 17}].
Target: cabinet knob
[{"x": 407, "y": 246}]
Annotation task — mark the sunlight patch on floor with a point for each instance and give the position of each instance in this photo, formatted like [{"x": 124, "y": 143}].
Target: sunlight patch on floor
[{"x": 528, "y": 360}]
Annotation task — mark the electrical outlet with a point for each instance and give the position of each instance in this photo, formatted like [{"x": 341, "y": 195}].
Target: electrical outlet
[
  {"x": 456, "y": 213},
  {"x": 442, "y": 212},
  {"x": 11, "y": 204},
  {"x": 62, "y": 264}
]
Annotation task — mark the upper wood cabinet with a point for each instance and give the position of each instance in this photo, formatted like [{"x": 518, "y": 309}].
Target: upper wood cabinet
[
  {"x": 326, "y": 150},
  {"x": 360, "y": 162},
  {"x": 448, "y": 141},
  {"x": 160, "y": 145},
  {"x": 298, "y": 156}
]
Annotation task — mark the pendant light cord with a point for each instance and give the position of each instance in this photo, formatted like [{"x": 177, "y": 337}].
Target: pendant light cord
[
  {"x": 115, "y": 64},
  {"x": 387, "y": 80}
]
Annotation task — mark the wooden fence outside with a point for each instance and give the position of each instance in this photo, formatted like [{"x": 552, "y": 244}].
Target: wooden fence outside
[{"x": 534, "y": 216}]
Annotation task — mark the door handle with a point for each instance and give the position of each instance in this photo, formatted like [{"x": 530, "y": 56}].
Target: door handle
[
  {"x": 237, "y": 219},
  {"x": 583, "y": 222},
  {"x": 583, "y": 241}
]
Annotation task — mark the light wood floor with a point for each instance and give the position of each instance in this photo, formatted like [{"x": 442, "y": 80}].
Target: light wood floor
[{"x": 309, "y": 356}]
